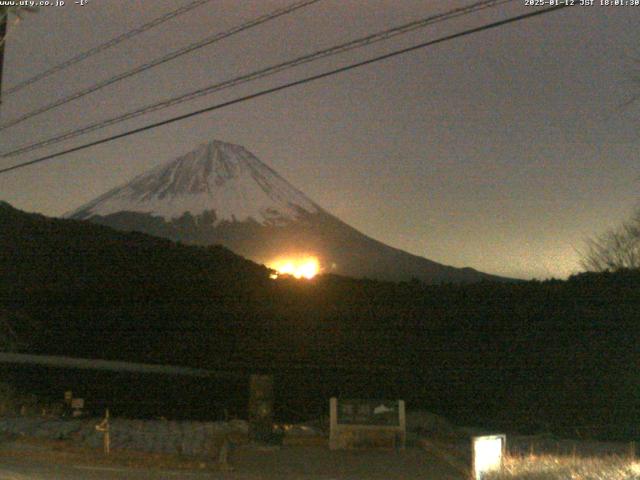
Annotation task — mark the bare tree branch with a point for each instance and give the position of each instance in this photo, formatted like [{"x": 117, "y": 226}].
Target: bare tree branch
[{"x": 616, "y": 249}]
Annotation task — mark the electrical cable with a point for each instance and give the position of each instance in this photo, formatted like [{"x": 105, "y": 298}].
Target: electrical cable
[
  {"x": 104, "y": 46},
  {"x": 278, "y": 88},
  {"x": 159, "y": 61},
  {"x": 268, "y": 71}
]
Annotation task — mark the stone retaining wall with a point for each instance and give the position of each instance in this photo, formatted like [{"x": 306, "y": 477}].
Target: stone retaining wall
[{"x": 156, "y": 436}]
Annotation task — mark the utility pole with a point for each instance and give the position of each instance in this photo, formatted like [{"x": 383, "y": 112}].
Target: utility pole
[
  {"x": 4, "y": 16},
  {"x": 4, "y": 30}
]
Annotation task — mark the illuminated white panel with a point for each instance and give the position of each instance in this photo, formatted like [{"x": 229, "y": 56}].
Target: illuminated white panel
[{"x": 487, "y": 454}]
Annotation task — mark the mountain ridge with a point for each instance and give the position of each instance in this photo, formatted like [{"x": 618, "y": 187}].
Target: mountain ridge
[
  {"x": 220, "y": 193},
  {"x": 218, "y": 174}
]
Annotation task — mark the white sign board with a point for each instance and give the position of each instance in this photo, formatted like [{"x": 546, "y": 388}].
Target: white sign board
[
  {"x": 487, "y": 456},
  {"x": 371, "y": 423}
]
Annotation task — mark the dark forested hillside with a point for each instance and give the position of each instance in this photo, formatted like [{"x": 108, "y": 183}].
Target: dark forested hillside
[
  {"x": 530, "y": 355},
  {"x": 76, "y": 262},
  {"x": 88, "y": 285}
]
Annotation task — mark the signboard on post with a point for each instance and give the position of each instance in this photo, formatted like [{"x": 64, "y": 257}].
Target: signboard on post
[
  {"x": 367, "y": 423},
  {"x": 369, "y": 412}
]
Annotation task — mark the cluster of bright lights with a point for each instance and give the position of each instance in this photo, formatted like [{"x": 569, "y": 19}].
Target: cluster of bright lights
[{"x": 302, "y": 267}]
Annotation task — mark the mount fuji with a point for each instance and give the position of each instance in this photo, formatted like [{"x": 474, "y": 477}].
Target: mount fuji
[{"x": 220, "y": 193}]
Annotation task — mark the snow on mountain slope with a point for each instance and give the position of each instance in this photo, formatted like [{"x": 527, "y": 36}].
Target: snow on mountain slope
[
  {"x": 222, "y": 194},
  {"x": 219, "y": 177}
]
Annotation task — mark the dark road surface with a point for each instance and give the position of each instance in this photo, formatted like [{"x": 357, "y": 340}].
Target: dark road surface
[
  {"x": 287, "y": 463},
  {"x": 23, "y": 469}
]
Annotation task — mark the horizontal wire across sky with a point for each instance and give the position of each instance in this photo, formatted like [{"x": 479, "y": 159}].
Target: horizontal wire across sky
[{"x": 358, "y": 43}]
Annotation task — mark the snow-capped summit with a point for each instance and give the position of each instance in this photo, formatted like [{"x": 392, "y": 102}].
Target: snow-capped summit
[
  {"x": 216, "y": 177},
  {"x": 222, "y": 194}
]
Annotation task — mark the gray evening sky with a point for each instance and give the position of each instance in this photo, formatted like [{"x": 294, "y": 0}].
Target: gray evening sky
[{"x": 501, "y": 150}]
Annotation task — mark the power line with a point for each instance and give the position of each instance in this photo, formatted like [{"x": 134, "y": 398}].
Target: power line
[
  {"x": 291, "y": 84},
  {"x": 104, "y": 46},
  {"x": 158, "y": 61},
  {"x": 267, "y": 71}
]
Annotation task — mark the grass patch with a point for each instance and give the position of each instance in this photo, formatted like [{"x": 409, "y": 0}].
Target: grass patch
[{"x": 553, "y": 467}]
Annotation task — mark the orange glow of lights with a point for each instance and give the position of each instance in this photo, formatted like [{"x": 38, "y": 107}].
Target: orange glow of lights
[{"x": 305, "y": 267}]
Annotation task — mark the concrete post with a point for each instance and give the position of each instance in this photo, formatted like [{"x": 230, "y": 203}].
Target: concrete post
[
  {"x": 402, "y": 417},
  {"x": 261, "y": 399},
  {"x": 333, "y": 425}
]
